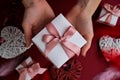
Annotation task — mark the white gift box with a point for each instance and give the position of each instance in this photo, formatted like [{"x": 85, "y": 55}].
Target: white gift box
[
  {"x": 102, "y": 18},
  {"x": 25, "y": 63},
  {"x": 31, "y": 67},
  {"x": 57, "y": 55},
  {"x": 111, "y": 12}
]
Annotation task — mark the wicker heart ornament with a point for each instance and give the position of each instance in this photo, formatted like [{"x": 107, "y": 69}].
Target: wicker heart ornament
[
  {"x": 110, "y": 47},
  {"x": 13, "y": 44}
]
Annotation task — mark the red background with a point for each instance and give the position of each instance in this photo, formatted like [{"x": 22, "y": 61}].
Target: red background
[{"x": 11, "y": 13}]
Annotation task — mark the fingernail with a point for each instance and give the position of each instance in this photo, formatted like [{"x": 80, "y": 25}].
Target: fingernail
[{"x": 29, "y": 46}]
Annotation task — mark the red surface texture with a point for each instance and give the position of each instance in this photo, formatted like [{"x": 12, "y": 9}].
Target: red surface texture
[{"x": 11, "y": 13}]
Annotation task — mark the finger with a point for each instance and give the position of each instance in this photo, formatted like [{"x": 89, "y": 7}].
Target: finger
[
  {"x": 87, "y": 46},
  {"x": 28, "y": 35},
  {"x": 84, "y": 49}
]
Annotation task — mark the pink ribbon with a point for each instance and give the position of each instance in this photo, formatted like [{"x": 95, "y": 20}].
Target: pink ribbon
[
  {"x": 31, "y": 71},
  {"x": 112, "y": 10},
  {"x": 54, "y": 38}
]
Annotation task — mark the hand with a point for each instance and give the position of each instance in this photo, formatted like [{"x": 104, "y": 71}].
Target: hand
[
  {"x": 85, "y": 27},
  {"x": 37, "y": 14},
  {"x": 81, "y": 17}
]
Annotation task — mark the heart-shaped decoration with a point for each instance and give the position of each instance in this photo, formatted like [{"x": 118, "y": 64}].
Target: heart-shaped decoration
[
  {"x": 14, "y": 43},
  {"x": 110, "y": 47},
  {"x": 71, "y": 70}
]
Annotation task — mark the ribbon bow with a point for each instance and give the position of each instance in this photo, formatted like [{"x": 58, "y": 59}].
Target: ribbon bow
[
  {"x": 30, "y": 72},
  {"x": 112, "y": 10},
  {"x": 54, "y": 38}
]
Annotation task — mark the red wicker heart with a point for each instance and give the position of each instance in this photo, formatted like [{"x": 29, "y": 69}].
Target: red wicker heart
[{"x": 69, "y": 71}]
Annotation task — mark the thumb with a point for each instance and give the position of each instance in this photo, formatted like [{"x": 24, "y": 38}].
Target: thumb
[
  {"x": 28, "y": 35},
  {"x": 86, "y": 47}
]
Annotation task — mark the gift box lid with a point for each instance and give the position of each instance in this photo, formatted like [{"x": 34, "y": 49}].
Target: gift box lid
[{"x": 61, "y": 24}]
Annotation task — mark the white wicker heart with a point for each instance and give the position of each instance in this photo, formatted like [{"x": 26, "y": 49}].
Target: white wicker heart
[
  {"x": 14, "y": 44},
  {"x": 110, "y": 47},
  {"x": 108, "y": 44}
]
